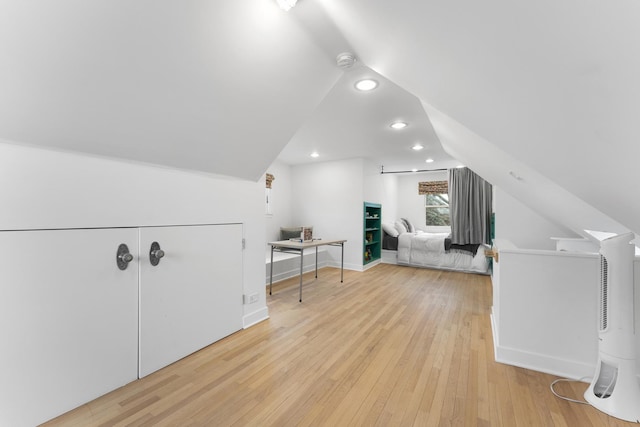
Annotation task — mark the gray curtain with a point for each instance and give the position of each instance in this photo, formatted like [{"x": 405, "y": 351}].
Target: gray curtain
[{"x": 470, "y": 205}]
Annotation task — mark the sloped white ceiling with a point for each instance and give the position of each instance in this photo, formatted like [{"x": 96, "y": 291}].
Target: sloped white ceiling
[
  {"x": 515, "y": 177},
  {"x": 349, "y": 123},
  {"x": 552, "y": 83},
  {"x": 213, "y": 86},
  {"x": 222, "y": 87}
]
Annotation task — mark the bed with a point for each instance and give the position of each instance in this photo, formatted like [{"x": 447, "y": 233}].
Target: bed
[{"x": 433, "y": 250}]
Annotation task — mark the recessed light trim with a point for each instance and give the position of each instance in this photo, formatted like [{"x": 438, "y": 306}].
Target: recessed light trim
[
  {"x": 398, "y": 125},
  {"x": 429, "y": 160},
  {"x": 315, "y": 154},
  {"x": 417, "y": 147},
  {"x": 366, "y": 85}
]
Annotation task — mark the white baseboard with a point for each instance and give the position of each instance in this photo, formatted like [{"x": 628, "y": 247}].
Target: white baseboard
[
  {"x": 279, "y": 277},
  {"x": 293, "y": 272},
  {"x": 544, "y": 363},
  {"x": 494, "y": 331},
  {"x": 540, "y": 362},
  {"x": 371, "y": 264},
  {"x": 347, "y": 266},
  {"x": 257, "y": 316}
]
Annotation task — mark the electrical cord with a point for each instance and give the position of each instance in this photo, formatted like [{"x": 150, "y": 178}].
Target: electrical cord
[
  {"x": 582, "y": 402},
  {"x": 613, "y": 380}
]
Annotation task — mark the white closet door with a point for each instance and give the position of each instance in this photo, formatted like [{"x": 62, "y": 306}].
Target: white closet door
[
  {"x": 68, "y": 320},
  {"x": 193, "y": 297}
]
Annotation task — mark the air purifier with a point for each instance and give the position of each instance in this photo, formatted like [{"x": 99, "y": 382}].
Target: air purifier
[{"x": 615, "y": 389}]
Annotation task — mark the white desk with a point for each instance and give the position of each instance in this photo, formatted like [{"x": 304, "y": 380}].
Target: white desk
[{"x": 293, "y": 246}]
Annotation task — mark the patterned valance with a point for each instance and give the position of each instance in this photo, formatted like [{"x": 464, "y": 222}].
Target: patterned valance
[
  {"x": 433, "y": 187},
  {"x": 269, "y": 179}
]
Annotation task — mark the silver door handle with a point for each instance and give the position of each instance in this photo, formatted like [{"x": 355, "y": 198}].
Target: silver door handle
[
  {"x": 155, "y": 253},
  {"x": 123, "y": 257},
  {"x": 158, "y": 253}
]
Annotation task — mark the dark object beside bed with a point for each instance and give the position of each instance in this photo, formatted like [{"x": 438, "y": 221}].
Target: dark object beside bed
[
  {"x": 470, "y": 248},
  {"x": 391, "y": 243},
  {"x": 388, "y": 242}
]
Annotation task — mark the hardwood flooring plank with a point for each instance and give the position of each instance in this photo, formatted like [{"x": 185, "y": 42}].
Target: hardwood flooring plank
[{"x": 391, "y": 346}]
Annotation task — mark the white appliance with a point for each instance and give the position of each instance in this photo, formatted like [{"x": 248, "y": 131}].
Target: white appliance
[{"x": 615, "y": 389}]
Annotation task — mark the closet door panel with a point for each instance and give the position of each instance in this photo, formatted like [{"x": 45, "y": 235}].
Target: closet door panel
[
  {"x": 68, "y": 320},
  {"x": 193, "y": 296}
]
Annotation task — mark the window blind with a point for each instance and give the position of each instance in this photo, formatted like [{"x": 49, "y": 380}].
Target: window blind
[
  {"x": 269, "y": 179},
  {"x": 433, "y": 187}
]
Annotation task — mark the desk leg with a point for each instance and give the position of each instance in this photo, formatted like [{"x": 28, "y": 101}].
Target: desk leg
[
  {"x": 316, "y": 262},
  {"x": 342, "y": 263},
  {"x": 301, "y": 263},
  {"x": 271, "y": 272}
]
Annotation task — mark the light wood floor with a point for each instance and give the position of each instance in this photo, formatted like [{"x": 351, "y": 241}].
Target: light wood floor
[{"x": 392, "y": 346}]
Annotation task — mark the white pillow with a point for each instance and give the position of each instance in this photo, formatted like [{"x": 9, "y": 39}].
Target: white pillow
[
  {"x": 400, "y": 227},
  {"x": 390, "y": 229}
]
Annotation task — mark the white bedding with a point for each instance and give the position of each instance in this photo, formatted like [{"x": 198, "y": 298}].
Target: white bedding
[{"x": 427, "y": 250}]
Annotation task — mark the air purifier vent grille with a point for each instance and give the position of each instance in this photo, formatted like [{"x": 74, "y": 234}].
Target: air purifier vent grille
[{"x": 604, "y": 290}]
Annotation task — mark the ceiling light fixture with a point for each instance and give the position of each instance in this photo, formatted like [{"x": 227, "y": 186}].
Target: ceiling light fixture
[
  {"x": 366, "y": 84},
  {"x": 398, "y": 125},
  {"x": 417, "y": 147},
  {"x": 414, "y": 170},
  {"x": 315, "y": 154},
  {"x": 429, "y": 160},
  {"x": 459, "y": 166},
  {"x": 286, "y": 4}
]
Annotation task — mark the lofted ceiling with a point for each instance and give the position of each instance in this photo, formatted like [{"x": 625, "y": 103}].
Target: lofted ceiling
[
  {"x": 226, "y": 87},
  {"x": 210, "y": 86},
  {"x": 349, "y": 123},
  {"x": 551, "y": 83}
]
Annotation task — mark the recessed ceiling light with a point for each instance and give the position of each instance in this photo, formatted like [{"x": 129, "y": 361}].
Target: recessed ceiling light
[
  {"x": 398, "y": 125},
  {"x": 315, "y": 154},
  {"x": 417, "y": 147},
  {"x": 414, "y": 170},
  {"x": 286, "y": 4},
  {"x": 366, "y": 84},
  {"x": 429, "y": 160},
  {"x": 460, "y": 166}
]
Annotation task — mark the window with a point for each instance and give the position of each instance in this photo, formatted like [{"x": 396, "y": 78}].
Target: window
[
  {"x": 436, "y": 202},
  {"x": 437, "y": 209}
]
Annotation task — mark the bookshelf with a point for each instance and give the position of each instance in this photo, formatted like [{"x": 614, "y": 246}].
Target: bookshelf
[{"x": 372, "y": 233}]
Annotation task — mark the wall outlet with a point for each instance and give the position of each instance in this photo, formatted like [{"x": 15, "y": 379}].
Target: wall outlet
[{"x": 251, "y": 298}]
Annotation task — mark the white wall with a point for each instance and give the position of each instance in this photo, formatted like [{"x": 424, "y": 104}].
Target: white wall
[
  {"x": 545, "y": 311},
  {"x": 329, "y": 197},
  {"x": 373, "y": 188},
  {"x": 390, "y": 197},
  {"x": 379, "y": 188},
  {"x": 47, "y": 189},
  {"x": 516, "y": 222},
  {"x": 410, "y": 203},
  {"x": 281, "y": 215}
]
